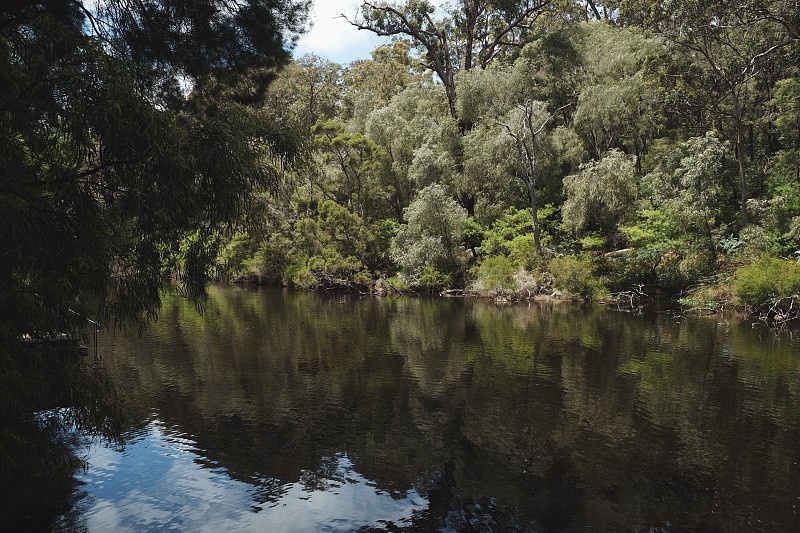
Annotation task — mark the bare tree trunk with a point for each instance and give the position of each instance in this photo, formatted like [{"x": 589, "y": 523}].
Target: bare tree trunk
[
  {"x": 525, "y": 140},
  {"x": 535, "y": 215},
  {"x": 737, "y": 110},
  {"x": 593, "y": 7}
]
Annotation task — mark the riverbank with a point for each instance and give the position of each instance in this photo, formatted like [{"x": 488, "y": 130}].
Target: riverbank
[{"x": 712, "y": 298}]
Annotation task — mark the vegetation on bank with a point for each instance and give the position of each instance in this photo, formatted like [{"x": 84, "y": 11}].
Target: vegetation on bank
[{"x": 595, "y": 157}]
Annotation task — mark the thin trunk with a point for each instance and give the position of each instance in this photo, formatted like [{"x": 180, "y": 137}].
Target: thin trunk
[
  {"x": 593, "y": 7},
  {"x": 531, "y": 181},
  {"x": 534, "y": 215},
  {"x": 737, "y": 110},
  {"x": 471, "y": 16}
]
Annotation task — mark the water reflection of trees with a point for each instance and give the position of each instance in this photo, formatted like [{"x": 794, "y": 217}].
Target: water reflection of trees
[{"x": 619, "y": 420}]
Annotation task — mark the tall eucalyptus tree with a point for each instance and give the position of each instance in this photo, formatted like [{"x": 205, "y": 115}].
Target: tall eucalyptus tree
[{"x": 469, "y": 34}]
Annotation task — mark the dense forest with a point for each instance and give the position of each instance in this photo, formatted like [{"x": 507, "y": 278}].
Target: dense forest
[
  {"x": 509, "y": 148},
  {"x": 524, "y": 148}
]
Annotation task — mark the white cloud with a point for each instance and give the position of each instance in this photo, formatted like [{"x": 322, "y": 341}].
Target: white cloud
[{"x": 332, "y": 37}]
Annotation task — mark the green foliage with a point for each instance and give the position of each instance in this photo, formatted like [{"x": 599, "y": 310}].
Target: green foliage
[
  {"x": 514, "y": 135},
  {"x": 574, "y": 276},
  {"x": 601, "y": 194},
  {"x": 486, "y": 94},
  {"x": 372, "y": 83},
  {"x": 474, "y": 233},
  {"x": 552, "y": 64},
  {"x": 307, "y": 91},
  {"x": 429, "y": 243},
  {"x": 335, "y": 244},
  {"x": 113, "y": 176},
  {"x": 618, "y": 108},
  {"x": 433, "y": 278},
  {"x": 787, "y": 104},
  {"x": 378, "y": 253},
  {"x": 490, "y": 160},
  {"x": 662, "y": 255},
  {"x": 303, "y": 277},
  {"x": 511, "y": 234},
  {"x": 296, "y": 273},
  {"x": 415, "y": 132},
  {"x": 350, "y": 162},
  {"x": 512, "y": 224},
  {"x": 522, "y": 251},
  {"x": 273, "y": 260},
  {"x": 496, "y": 271},
  {"x": 689, "y": 184},
  {"x": 766, "y": 281},
  {"x": 592, "y": 241},
  {"x": 652, "y": 230},
  {"x": 493, "y": 28}
]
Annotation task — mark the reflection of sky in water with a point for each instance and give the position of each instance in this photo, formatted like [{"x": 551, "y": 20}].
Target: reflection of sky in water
[{"x": 157, "y": 483}]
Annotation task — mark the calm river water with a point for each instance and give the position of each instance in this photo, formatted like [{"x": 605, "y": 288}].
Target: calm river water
[{"x": 285, "y": 411}]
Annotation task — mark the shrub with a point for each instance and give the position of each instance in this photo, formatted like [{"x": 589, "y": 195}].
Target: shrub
[
  {"x": 497, "y": 271},
  {"x": 305, "y": 279},
  {"x": 574, "y": 275},
  {"x": 428, "y": 246},
  {"x": 522, "y": 251},
  {"x": 512, "y": 233},
  {"x": 296, "y": 274},
  {"x": 432, "y": 278},
  {"x": 273, "y": 260},
  {"x": 766, "y": 281}
]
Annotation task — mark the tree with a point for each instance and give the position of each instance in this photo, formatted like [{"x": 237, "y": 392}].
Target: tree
[
  {"x": 107, "y": 169},
  {"x": 600, "y": 194},
  {"x": 371, "y": 83},
  {"x": 306, "y": 91},
  {"x": 415, "y": 117},
  {"x": 499, "y": 98},
  {"x": 525, "y": 125},
  {"x": 336, "y": 243},
  {"x": 735, "y": 42},
  {"x": 428, "y": 246},
  {"x": 690, "y": 184},
  {"x": 350, "y": 161},
  {"x": 129, "y": 145},
  {"x": 475, "y": 33},
  {"x": 618, "y": 106}
]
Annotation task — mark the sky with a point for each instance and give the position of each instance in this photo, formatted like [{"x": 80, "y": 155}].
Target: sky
[{"x": 334, "y": 38}]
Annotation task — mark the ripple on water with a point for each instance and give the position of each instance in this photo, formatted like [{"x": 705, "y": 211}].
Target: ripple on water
[{"x": 163, "y": 483}]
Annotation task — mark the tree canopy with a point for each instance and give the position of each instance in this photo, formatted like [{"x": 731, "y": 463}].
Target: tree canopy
[
  {"x": 132, "y": 139},
  {"x": 472, "y": 33}
]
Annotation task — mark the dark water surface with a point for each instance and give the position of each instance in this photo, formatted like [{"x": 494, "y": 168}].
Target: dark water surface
[{"x": 284, "y": 411}]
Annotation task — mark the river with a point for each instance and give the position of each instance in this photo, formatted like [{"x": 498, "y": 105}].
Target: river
[{"x": 291, "y": 411}]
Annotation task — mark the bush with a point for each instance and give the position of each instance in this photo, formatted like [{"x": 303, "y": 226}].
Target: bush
[
  {"x": 431, "y": 278},
  {"x": 304, "y": 278},
  {"x": 428, "y": 246},
  {"x": 574, "y": 275},
  {"x": 496, "y": 271},
  {"x": 512, "y": 234},
  {"x": 766, "y": 281},
  {"x": 296, "y": 274},
  {"x": 522, "y": 251}
]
